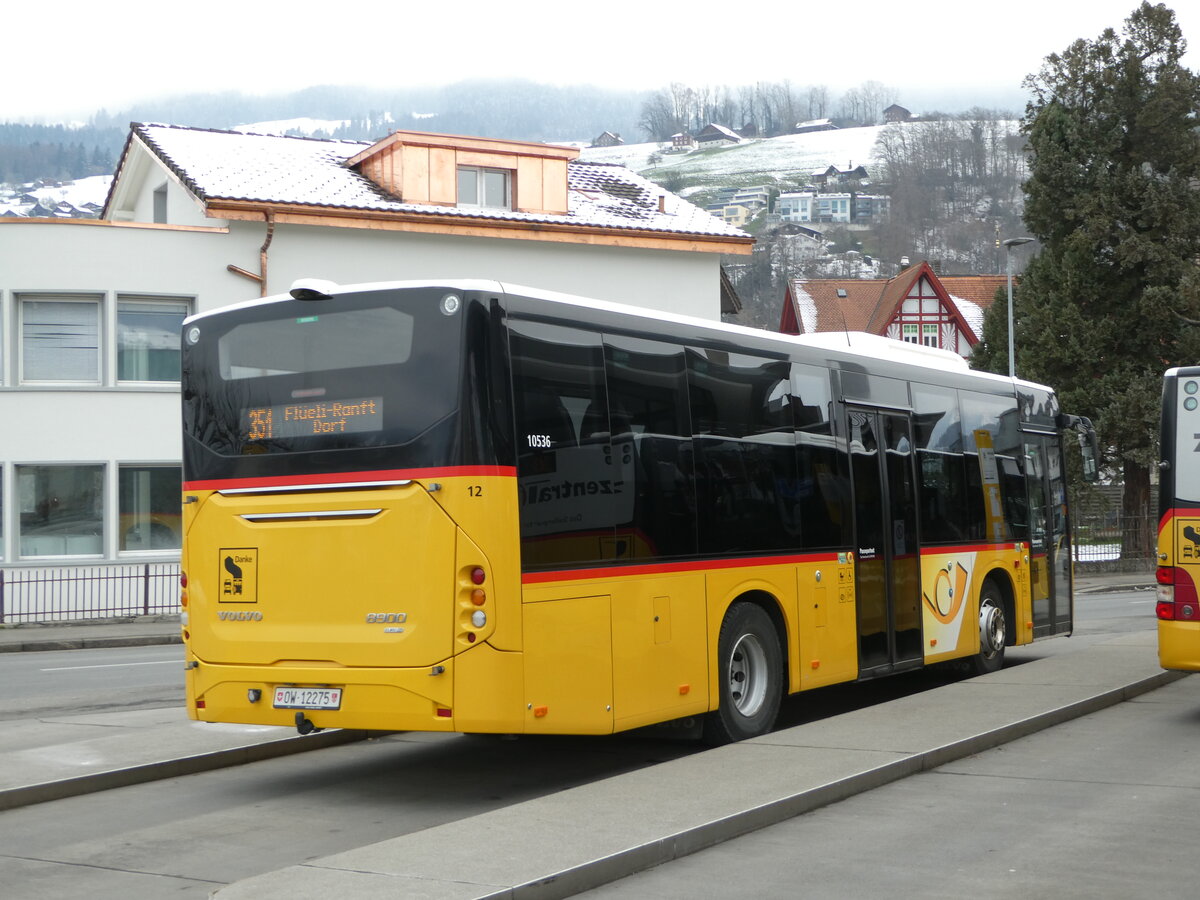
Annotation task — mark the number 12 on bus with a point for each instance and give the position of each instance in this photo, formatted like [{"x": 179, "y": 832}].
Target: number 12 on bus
[{"x": 546, "y": 514}]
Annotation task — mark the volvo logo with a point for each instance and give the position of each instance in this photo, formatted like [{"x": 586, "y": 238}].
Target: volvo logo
[{"x": 240, "y": 615}]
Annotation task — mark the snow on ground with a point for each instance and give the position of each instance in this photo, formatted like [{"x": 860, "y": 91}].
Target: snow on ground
[{"x": 785, "y": 158}]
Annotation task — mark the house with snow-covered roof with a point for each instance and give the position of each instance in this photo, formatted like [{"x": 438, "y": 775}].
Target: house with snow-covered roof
[
  {"x": 195, "y": 219},
  {"x": 917, "y": 306},
  {"x": 717, "y": 134}
]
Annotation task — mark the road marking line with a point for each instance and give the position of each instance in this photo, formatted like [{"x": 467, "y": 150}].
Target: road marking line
[{"x": 161, "y": 662}]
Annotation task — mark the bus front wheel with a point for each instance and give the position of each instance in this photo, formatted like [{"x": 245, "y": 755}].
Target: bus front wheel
[
  {"x": 991, "y": 630},
  {"x": 750, "y": 672}
]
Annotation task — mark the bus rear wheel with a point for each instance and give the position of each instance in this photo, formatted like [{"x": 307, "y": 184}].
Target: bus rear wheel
[
  {"x": 750, "y": 673},
  {"x": 992, "y": 628}
]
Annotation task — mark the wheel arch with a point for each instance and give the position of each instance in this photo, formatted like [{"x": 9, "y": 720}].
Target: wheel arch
[
  {"x": 1003, "y": 582},
  {"x": 769, "y": 604}
]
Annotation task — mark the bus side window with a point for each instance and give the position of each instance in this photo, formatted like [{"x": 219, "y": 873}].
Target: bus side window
[
  {"x": 823, "y": 479},
  {"x": 937, "y": 429},
  {"x": 567, "y": 484},
  {"x": 652, "y": 440},
  {"x": 746, "y": 484}
]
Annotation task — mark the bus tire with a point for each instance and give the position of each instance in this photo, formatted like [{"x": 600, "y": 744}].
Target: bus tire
[
  {"x": 992, "y": 629},
  {"x": 750, "y": 676}
]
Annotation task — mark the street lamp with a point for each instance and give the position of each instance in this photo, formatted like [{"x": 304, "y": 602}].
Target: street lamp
[{"x": 1008, "y": 245}]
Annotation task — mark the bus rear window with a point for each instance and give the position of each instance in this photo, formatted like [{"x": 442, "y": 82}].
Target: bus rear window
[
  {"x": 372, "y": 369},
  {"x": 317, "y": 343}
]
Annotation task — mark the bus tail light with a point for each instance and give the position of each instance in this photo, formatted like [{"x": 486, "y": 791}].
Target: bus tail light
[
  {"x": 1177, "y": 597},
  {"x": 474, "y": 620}
]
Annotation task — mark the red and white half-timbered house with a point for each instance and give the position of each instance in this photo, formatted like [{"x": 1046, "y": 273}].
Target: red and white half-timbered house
[{"x": 917, "y": 306}]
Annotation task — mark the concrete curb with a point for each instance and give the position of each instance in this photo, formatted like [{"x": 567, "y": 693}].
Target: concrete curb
[
  {"x": 27, "y": 795},
  {"x": 141, "y": 640}
]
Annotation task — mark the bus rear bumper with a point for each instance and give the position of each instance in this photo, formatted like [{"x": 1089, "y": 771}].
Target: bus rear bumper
[
  {"x": 428, "y": 698},
  {"x": 370, "y": 699},
  {"x": 1179, "y": 645}
]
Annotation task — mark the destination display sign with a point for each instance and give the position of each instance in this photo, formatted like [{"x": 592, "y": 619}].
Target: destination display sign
[{"x": 292, "y": 420}]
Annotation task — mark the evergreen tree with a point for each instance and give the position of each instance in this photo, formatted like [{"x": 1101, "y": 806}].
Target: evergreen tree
[{"x": 1113, "y": 196}]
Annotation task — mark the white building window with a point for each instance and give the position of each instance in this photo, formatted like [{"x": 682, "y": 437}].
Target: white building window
[
  {"x": 148, "y": 508},
  {"x": 160, "y": 205},
  {"x": 62, "y": 510},
  {"x": 148, "y": 338},
  {"x": 911, "y": 334},
  {"x": 60, "y": 339},
  {"x": 490, "y": 188},
  {"x": 929, "y": 335}
]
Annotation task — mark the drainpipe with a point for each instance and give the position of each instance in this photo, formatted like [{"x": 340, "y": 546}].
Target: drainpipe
[{"x": 261, "y": 276}]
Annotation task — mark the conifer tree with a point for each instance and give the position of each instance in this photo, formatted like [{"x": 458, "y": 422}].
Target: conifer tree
[{"x": 1112, "y": 298}]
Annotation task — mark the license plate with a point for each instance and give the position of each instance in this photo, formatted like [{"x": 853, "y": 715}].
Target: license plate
[{"x": 308, "y": 698}]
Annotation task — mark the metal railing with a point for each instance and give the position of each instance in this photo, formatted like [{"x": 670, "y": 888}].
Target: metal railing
[
  {"x": 1110, "y": 542},
  {"x": 66, "y": 593}
]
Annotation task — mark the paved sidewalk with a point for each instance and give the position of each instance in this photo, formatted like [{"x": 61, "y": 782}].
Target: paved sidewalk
[{"x": 138, "y": 631}]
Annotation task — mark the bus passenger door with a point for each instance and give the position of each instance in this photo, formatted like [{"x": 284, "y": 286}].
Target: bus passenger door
[
  {"x": 1049, "y": 550},
  {"x": 885, "y": 522}
]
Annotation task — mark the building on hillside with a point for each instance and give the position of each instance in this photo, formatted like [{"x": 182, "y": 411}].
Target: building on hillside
[
  {"x": 833, "y": 175},
  {"x": 714, "y": 134},
  {"x": 832, "y": 208},
  {"x": 813, "y": 125},
  {"x": 896, "y": 113},
  {"x": 608, "y": 139},
  {"x": 870, "y": 208},
  {"x": 197, "y": 219},
  {"x": 794, "y": 206},
  {"x": 917, "y": 306},
  {"x": 682, "y": 141}
]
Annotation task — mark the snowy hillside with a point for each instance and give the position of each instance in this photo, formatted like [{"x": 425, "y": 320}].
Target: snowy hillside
[
  {"x": 84, "y": 195},
  {"x": 787, "y": 158}
]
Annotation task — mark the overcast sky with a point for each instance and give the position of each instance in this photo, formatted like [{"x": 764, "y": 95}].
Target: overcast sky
[{"x": 72, "y": 62}]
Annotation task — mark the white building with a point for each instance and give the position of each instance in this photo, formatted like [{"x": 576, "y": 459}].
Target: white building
[
  {"x": 795, "y": 206},
  {"x": 197, "y": 219}
]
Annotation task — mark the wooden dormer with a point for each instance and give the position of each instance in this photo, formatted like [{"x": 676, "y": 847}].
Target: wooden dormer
[{"x": 417, "y": 167}]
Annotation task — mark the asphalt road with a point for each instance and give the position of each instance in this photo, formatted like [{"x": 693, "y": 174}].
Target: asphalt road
[{"x": 89, "y": 681}]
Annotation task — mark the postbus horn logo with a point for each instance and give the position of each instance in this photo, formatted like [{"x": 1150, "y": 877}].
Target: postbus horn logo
[{"x": 234, "y": 585}]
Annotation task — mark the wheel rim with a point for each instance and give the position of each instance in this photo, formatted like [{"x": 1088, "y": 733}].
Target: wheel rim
[
  {"x": 748, "y": 675},
  {"x": 991, "y": 629}
]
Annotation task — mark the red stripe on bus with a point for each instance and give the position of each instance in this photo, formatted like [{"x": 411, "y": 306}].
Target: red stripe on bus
[
  {"x": 1175, "y": 513},
  {"x": 229, "y": 484},
  {"x": 701, "y": 565},
  {"x": 938, "y": 549},
  {"x": 693, "y": 565}
]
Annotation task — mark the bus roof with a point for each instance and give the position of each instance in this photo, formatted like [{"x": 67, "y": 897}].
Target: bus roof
[{"x": 853, "y": 345}]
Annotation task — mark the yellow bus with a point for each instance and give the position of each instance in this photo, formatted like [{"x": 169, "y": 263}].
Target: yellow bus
[
  {"x": 473, "y": 507},
  {"x": 1178, "y": 606}
]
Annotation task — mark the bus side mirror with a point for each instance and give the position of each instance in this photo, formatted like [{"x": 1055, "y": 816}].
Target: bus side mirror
[{"x": 1089, "y": 449}]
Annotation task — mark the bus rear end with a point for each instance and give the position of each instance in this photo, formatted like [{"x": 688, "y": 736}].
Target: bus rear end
[
  {"x": 347, "y": 514},
  {"x": 1178, "y": 575}
]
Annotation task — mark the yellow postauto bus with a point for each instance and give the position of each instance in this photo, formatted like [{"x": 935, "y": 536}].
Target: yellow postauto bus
[
  {"x": 471, "y": 507},
  {"x": 1178, "y": 607}
]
